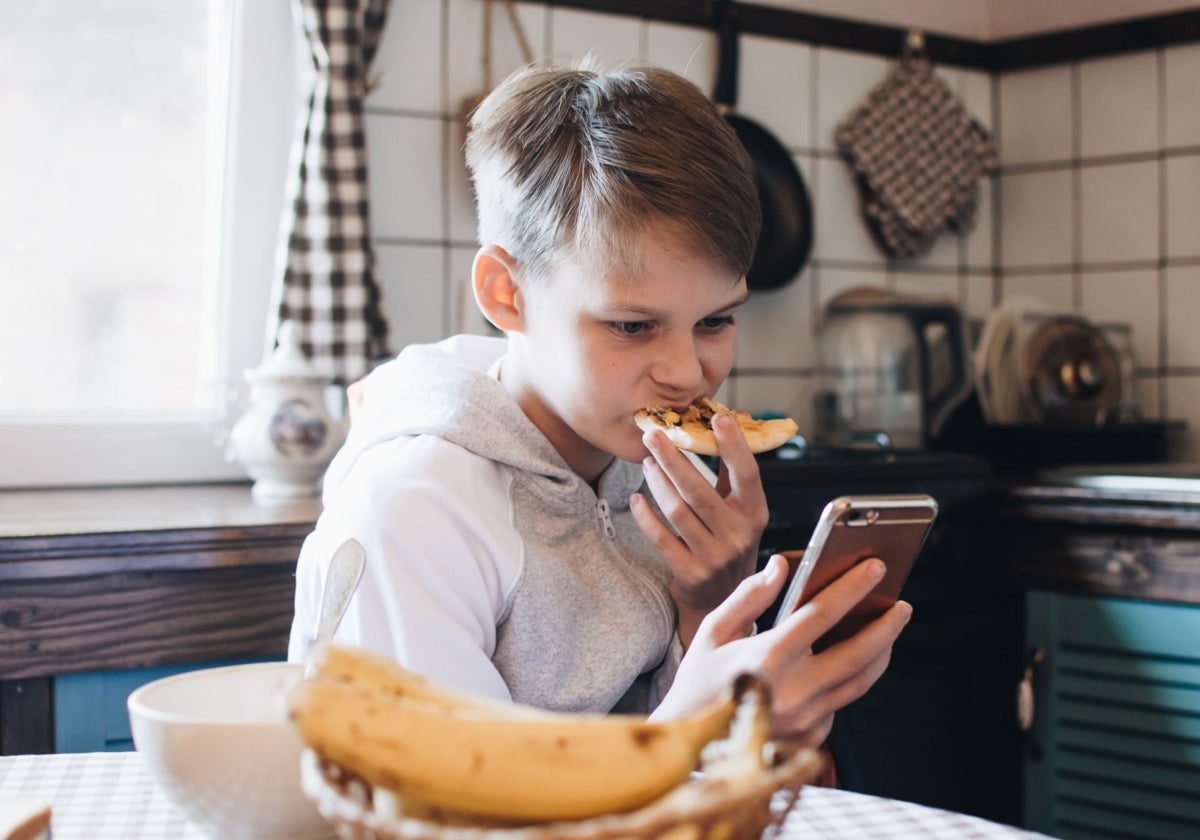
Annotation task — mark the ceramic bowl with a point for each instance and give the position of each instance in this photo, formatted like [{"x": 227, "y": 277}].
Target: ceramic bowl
[{"x": 218, "y": 744}]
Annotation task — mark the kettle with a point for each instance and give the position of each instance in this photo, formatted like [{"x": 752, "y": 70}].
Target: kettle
[{"x": 890, "y": 369}]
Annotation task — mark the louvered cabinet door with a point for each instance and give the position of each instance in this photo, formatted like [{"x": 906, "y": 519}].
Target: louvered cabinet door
[{"x": 1115, "y": 745}]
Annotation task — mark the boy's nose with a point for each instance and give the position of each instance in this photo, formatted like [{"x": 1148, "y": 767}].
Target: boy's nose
[{"x": 678, "y": 365}]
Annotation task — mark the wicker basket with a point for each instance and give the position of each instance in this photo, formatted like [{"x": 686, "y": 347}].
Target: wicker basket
[{"x": 704, "y": 808}]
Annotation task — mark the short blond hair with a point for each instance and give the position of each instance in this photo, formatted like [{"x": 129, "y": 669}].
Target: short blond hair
[{"x": 576, "y": 162}]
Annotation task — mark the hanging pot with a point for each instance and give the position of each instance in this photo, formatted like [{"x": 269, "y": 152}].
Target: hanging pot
[{"x": 787, "y": 233}]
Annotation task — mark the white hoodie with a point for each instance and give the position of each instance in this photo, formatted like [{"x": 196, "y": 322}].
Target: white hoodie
[{"x": 490, "y": 564}]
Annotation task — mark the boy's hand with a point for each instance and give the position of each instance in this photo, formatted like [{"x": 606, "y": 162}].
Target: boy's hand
[
  {"x": 807, "y": 688},
  {"x": 717, "y": 529}
]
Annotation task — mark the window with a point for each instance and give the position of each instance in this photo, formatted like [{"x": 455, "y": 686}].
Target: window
[{"x": 143, "y": 159}]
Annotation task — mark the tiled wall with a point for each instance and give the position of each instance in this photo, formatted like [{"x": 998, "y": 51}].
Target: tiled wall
[
  {"x": 1100, "y": 208},
  {"x": 1094, "y": 212}
]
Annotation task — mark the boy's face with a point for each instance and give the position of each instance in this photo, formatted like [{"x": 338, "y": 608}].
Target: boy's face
[{"x": 595, "y": 348}]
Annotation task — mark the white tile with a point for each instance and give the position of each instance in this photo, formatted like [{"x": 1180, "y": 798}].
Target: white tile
[
  {"x": 1182, "y": 307},
  {"x": 1183, "y": 206},
  {"x": 460, "y": 194},
  {"x": 1035, "y": 218},
  {"x": 1053, "y": 291},
  {"x": 465, "y": 71},
  {"x": 405, "y": 155},
  {"x": 776, "y": 327},
  {"x": 840, "y": 232},
  {"x": 414, "y": 293},
  {"x": 979, "y": 296},
  {"x": 940, "y": 286},
  {"x": 1125, "y": 297},
  {"x": 831, "y": 282},
  {"x": 1182, "y": 95},
  {"x": 465, "y": 316},
  {"x": 976, "y": 95},
  {"x": 687, "y": 50},
  {"x": 613, "y": 39},
  {"x": 1118, "y": 104},
  {"x": 844, "y": 78},
  {"x": 1146, "y": 389},
  {"x": 1119, "y": 212},
  {"x": 1183, "y": 403},
  {"x": 1035, "y": 115},
  {"x": 408, "y": 61},
  {"x": 773, "y": 88},
  {"x": 980, "y": 240},
  {"x": 790, "y": 395}
]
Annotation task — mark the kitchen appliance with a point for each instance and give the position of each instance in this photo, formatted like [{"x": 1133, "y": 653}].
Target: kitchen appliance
[
  {"x": 1050, "y": 369},
  {"x": 890, "y": 368}
]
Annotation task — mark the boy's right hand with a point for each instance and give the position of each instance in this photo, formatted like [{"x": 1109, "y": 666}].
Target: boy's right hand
[{"x": 807, "y": 688}]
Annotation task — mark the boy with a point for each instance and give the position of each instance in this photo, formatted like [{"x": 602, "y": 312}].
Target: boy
[{"x": 524, "y": 539}]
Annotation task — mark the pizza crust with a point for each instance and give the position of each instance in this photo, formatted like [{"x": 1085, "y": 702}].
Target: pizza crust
[{"x": 692, "y": 430}]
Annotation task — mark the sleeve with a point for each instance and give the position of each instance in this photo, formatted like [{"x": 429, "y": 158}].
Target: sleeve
[{"x": 441, "y": 561}]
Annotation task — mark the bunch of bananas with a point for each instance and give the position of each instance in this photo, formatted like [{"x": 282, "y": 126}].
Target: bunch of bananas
[{"x": 448, "y": 754}]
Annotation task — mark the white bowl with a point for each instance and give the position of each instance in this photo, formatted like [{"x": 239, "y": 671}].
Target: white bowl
[{"x": 218, "y": 744}]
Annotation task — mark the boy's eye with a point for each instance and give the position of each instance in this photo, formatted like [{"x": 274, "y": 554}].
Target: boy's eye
[
  {"x": 630, "y": 327},
  {"x": 717, "y": 322}
]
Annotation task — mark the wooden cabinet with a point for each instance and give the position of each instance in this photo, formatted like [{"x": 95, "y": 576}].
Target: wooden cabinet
[
  {"x": 1113, "y": 607},
  {"x": 1115, "y": 744},
  {"x": 120, "y": 580}
]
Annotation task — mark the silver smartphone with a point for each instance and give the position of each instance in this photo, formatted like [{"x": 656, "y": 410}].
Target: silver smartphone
[{"x": 852, "y": 529}]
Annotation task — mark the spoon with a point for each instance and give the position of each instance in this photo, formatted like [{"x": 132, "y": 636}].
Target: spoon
[{"x": 345, "y": 571}]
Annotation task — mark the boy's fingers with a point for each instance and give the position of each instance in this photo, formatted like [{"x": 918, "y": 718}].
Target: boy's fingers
[
  {"x": 827, "y": 607},
  {"x": 739, "y": 461}
]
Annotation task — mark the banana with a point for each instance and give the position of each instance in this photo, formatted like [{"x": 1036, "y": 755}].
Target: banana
[
  {"x": 524, "y": 767},
  {"x": 368, "y": 669}
]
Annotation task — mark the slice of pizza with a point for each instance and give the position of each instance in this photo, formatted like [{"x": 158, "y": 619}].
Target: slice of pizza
[{"x": 692, "y": 429}]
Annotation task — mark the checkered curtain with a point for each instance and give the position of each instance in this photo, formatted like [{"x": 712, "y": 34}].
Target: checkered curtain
[{"x": 327, "y": 287}]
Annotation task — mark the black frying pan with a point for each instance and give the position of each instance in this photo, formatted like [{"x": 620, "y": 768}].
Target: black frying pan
[{"x": 787, "y": 233}]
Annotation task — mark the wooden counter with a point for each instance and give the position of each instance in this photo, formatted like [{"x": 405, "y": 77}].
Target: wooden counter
[
  {"x": 1119, "y": 541},
  {"x": 106, "y": 579}
]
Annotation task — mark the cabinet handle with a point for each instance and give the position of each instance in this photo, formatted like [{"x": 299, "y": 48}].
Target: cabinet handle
[
  {"x": 1025, "y": 690},
  {"x": 1127, "y": 567}
]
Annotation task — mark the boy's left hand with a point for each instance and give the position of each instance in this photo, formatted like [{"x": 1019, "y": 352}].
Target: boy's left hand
[{"x": 717, "y": 529}]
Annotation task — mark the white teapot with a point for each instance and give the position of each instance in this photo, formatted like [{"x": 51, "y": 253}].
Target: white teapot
[{"x": 288, "y": 435}]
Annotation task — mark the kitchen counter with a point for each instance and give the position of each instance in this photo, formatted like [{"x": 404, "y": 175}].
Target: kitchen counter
[
  {"x": 125, "y": 578},
  {"x": 1127, "y": 531}
]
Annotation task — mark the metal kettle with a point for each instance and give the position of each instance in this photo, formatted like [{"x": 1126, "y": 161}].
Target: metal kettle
[{"x": 891, "y": 369}]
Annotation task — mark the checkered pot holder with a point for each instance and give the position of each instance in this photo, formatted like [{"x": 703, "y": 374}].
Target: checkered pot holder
[
  {"x": 328, "y": 286},
  {"x": 917, "y": 157}
]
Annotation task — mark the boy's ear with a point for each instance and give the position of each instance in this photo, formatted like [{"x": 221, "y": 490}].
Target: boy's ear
[{"x": 496, "y": 292}]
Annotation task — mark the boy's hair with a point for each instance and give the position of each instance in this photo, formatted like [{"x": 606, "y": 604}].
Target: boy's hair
[{"x": 577, "y": 162}]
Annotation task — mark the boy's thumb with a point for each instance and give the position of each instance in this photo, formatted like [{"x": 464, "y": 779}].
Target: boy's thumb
[{"x": 745, "y": 604}]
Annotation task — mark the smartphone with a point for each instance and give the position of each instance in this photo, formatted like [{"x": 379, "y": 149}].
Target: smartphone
[{"x": 852, "y": 529}]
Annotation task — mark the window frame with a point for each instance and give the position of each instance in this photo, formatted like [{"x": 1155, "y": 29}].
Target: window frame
[{"x": 261, "y": 72}]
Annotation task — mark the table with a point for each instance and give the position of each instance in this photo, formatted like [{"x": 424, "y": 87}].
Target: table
[{"x": 110, "y": 796}]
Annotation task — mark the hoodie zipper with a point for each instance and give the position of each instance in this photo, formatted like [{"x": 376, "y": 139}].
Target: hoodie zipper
[{"x": 604, "y": 516}]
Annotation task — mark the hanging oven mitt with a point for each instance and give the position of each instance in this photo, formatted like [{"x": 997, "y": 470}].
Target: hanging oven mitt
[{"x": 917, "y": 157}]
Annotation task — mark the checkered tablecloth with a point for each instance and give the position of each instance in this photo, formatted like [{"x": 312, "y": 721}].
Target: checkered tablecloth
[{"x": 110, "y": 796}]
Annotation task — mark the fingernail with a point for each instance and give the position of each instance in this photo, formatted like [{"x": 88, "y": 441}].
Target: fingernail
[
  {"x": 649, "y": 463},
  {"x": 877, "y": 568},
  {"x": 650, "y": 439},
  {"x": 908, "y": 613},
  {"x": 725, "y": 421},
  {"x": 773, "y": 569}
]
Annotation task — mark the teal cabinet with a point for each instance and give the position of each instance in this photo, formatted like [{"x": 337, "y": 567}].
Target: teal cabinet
[
  {"x": 1115, "y": 745},
  {"x": 90, "y": 714}
]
